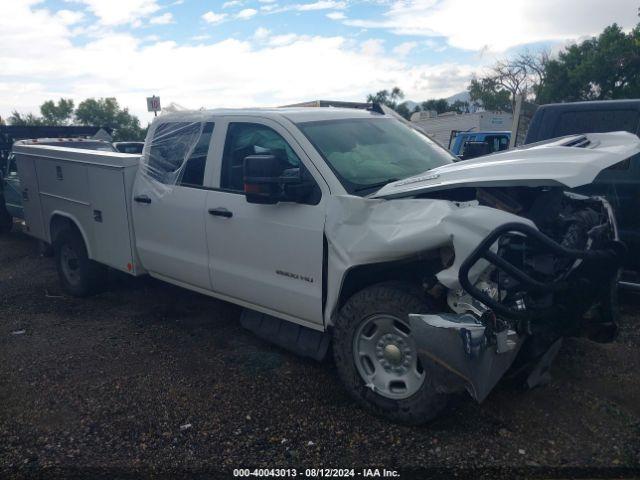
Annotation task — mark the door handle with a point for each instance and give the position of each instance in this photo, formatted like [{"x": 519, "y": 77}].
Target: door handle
[
  {"x": 220, "y": 212},
  {"x": 142, "y": 199}
]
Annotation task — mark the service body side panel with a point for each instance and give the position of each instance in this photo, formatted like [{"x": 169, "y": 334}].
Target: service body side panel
[{"x": 88, "y": 188}]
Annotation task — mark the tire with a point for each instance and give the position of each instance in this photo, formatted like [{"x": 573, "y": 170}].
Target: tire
[
  {"x": 6, "y": 220},
  {"x": 79, "y": 275},
  {"x": 608, "y": 326},
  {"x": 418, "y": 404}
]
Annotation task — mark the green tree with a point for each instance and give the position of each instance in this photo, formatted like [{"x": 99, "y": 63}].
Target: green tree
[
  {"x": 460, "y": 106},
  {"x": 106, "y": 113},
  {"x": 57, "y": 114},
  {"x": 386, "y": 97},
  {"x": 22, "y": 119},
  {"x": 404, "y": 110},
  {"x": 489, "y": 94},
  {"x": 601, "y": 68},
  {"x": 440, "y": 105}
]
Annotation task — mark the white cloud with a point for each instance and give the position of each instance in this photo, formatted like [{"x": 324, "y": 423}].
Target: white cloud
[
  {"x": 163, "y": 19},
  {"x": 306, "y": 7},
  {"x": 40, "y": 62},
  {"x": 282, "y": 40},
  {"x": 372, "y": 47},
  {"x": 336, "y": 16},
  {"x": 319, "y": 5},
  {"x": 69, "y": 17},
  {"x": 261, "y": 33},
  {"x": 213, "y": 18},
  {"x": 246, "y": 13},
  {"x": 435, "y": 46},
  {"x": 119, "y": 12},
  {"x": 404, "y": 48},
  {"x": 232, "y": 3},
  {"x": 498, "y": 25}
]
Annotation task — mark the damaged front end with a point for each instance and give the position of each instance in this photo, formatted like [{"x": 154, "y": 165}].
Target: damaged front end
[
  {"x": 526, "y": 262},
  {"x": 537, "y": 286}
]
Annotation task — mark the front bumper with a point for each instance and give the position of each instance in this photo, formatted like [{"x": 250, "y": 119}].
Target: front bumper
[{"x": 475, "y": 351}]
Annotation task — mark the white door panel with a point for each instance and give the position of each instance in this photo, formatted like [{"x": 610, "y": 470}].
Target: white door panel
[
  {"x": 170, "y": 234},
  {"x": 268, "y": 255}
]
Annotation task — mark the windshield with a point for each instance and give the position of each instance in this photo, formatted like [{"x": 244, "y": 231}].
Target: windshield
[{"x": 367, "y": 153}]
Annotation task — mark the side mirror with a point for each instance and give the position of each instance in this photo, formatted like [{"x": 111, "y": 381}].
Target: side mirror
[{"x": 264, "y": 181}]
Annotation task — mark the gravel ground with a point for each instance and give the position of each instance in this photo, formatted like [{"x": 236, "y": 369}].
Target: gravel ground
[{"x": 147, "y": 377}]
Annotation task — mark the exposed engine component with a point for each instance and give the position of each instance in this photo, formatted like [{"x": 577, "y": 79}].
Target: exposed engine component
[{"x": 546, "y": 288}]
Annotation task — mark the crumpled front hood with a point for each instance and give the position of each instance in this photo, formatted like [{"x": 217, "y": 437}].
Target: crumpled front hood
[{"x": 569, "y": 161}]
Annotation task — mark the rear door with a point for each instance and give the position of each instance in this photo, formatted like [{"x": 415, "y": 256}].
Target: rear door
[
  {"x": 267, "y": 256},
  {"x": 169, "y": 206}
]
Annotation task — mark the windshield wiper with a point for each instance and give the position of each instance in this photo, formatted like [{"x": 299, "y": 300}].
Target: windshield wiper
[{"x": 375, "y": 185}]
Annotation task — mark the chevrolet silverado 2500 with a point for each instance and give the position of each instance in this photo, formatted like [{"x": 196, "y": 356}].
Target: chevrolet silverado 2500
[{"x": 347, "y": 227}]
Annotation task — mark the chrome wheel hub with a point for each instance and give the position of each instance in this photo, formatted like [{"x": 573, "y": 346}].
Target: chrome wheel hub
[{"x": 386, "y": 357}]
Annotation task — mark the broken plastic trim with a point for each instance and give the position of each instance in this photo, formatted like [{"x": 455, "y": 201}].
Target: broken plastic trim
[
  {"x": 459, "y": 344},
  {"x": 615, "y": 253}
]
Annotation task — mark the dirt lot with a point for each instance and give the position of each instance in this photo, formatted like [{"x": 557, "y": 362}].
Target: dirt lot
[{"x": 147, "y": 377}]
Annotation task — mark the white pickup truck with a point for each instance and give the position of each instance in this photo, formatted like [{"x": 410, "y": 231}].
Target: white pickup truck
[{"x": 347, "y": 228}]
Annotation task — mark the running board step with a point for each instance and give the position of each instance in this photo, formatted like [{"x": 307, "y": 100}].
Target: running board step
[{"x": 300, "y": 340}]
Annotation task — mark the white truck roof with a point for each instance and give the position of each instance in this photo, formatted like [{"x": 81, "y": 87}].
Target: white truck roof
[{"x": 294, "y": 114}]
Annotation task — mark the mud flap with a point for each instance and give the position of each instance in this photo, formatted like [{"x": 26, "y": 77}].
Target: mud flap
[{"x": 459, "y": 344}]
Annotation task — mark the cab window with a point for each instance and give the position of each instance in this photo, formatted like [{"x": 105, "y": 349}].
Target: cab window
[
  {"x": 244, "y": 139},
  {"x": 193, "y": 171},
  {"x": 497, "y": 143},
  {"x": 178, "y": 152}
]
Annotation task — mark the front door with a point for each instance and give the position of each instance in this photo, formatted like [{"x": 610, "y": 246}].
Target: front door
[
  {"x": 169, "y": 204},
  {"x": 268, "y": 256}
]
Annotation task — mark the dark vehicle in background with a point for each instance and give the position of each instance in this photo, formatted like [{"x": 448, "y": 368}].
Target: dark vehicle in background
[
  {"x": 129, "y": 147},
  {"x": 10, "y": 191},
  {"x": 620, "y": 184}
]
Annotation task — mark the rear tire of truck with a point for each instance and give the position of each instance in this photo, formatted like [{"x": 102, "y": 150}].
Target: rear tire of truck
[
  {"x": 79, "y": 275},
  {"x": 386, "y": 377}
]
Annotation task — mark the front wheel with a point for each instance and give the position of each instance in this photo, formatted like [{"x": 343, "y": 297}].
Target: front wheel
[{"x": 377, "y": 357}]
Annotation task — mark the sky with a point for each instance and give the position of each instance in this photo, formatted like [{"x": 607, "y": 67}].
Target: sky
[{"x": 243, "y": 53}]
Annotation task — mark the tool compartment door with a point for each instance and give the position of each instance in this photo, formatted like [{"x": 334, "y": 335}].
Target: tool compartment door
[
  {"x": 30, "y": 197},
  {"x": 108, "y": 200}
]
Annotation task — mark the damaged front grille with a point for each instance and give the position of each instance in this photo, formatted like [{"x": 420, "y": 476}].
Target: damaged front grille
[{"x": 529, "y": 277}]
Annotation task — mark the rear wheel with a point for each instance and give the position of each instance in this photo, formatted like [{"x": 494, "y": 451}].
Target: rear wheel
[
  {"x": 79, "y": 275},
  {"x": 377, "y": 357}
]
